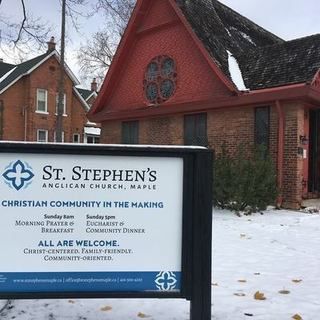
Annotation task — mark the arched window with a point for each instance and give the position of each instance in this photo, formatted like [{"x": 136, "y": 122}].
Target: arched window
[{"x": 159, "y": 82}]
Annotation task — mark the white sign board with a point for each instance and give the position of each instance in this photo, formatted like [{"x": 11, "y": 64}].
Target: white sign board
[{"x": 90, "y": 223}]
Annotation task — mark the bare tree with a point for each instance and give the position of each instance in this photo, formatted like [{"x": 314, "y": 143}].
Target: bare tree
[
  {"x": 29, "y": 34},
  {"x": 24, "y": 34},
  {"x": 96, "y": 55},
  {"x": 118, "y": 11}
]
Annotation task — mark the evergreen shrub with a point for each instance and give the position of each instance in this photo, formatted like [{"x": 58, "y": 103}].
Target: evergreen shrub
[{"x": 242, "y": 183}]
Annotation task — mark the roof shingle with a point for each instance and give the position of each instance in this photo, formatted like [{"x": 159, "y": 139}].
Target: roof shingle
[
  {"x": 21, "y": 69},
  {"x": 265, "y": 60},
  {"x": 5, "y": 68},
  {"x": 295, "y": 61},
  {"x": 85, "y": 93},
  {"x": 221, "y": 29}
]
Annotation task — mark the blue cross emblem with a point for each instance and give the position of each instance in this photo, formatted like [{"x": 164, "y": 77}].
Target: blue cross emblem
[
  {"x": 18, "y": 175},
  {"x": 166, "y": 281}
]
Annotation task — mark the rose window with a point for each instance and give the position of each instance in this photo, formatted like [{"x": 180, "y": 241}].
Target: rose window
[{"x": 160, "y": 79}]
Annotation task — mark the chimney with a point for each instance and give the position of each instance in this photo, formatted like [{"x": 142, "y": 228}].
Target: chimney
[
  {"x": 94, "y": 85},
  {"x": 51, "y": 45}
]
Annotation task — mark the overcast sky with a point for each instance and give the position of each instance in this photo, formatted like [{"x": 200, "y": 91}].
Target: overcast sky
[{"x": 288, "y": 19}]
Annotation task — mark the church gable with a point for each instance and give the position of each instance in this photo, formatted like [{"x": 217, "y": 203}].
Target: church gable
[
  {"x": 162, "y": 39},
  {"x": 159, "y": 13}
]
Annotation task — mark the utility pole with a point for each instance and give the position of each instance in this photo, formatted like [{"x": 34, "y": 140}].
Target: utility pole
[{"x": 59, "y": 125}]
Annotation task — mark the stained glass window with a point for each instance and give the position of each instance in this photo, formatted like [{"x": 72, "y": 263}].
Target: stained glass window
[
  {"x": 195, "y": 129},
  {"x": 160, "y": 79},
  {"x": 130, "y": 132},
  {"x": 167, "y": 88},
  {"x": 167, "y": 67},
  {"x": 152, "y": 91},
  {"x": 152, "y": 71},
  {"x": 262, "y": 126}
]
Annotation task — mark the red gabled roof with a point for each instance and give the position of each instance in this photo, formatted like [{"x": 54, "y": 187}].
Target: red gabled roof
[{"x": 128, "y": 40}]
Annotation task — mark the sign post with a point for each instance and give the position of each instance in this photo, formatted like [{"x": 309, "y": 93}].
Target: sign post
[{"x": 106, "y": 221}]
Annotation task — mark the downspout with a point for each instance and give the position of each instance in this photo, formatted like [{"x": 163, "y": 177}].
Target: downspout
[
  {"x": 1, "y": 119},
  {"x": 281, "y": 128},
  {"x": 25, "y": 114}
]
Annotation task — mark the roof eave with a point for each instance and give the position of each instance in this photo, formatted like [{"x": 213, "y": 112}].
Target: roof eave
[
  {"x": 68, "y": 70},
  {"x": 57, "y": 56},
  {"x": 297, "y": 92},
  {"x": 82, "y": 100},
  {"x": 124, "y": 43},
  {"x": 93, "y": 94}
]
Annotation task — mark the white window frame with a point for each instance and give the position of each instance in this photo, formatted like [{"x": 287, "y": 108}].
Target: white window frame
[
  {"x": 79, "y": 137},
  {"x": 45, "y": 101},
  {"x": 94, "y": 138},
  {"x": 42, "y": 131},
  {"x": 55, "y": 137},
  {"x": 64, "y": 104}
]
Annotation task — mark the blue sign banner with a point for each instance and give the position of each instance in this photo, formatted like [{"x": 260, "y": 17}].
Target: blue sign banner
[{"x": 90, "y": 281}]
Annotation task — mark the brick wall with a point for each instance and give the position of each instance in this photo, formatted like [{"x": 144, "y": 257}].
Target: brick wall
[
  {"x": 14, "y": 103},
  {"x": 293, "y": 163},
  {"x": 111, "y": 132},
  {"x": 78, "y": 119},
  {"x": 231, "y": 127},
  {"x": 162, "y": 131}
]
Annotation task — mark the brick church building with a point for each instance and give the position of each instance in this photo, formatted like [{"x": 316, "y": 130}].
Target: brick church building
[{"x": 197, "y": 72}]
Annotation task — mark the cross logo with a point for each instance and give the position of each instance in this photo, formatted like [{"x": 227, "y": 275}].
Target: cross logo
[
  {"x": 166, "y": 281},
  {"x": 18, "y": 175}
]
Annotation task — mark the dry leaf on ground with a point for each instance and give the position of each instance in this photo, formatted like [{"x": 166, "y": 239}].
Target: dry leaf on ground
[
  {"x": 71, "y": 301},
  {"x": 297, "y": 317},
  {"x": 296, "y": 280},
  {"x": 106, "y": 308},
  {"x": 143, "y": 316},
  {"x": 239, "y": 294},
  {"x": 259, "y": 296},
  {"x": 284, "y": 291},
  {"x": 242, "y": 280}
]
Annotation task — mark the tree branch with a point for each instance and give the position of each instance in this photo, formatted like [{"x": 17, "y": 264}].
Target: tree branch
[
  {"x": 22, "y": 23},
  {"x": 96, "y": 55}
]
